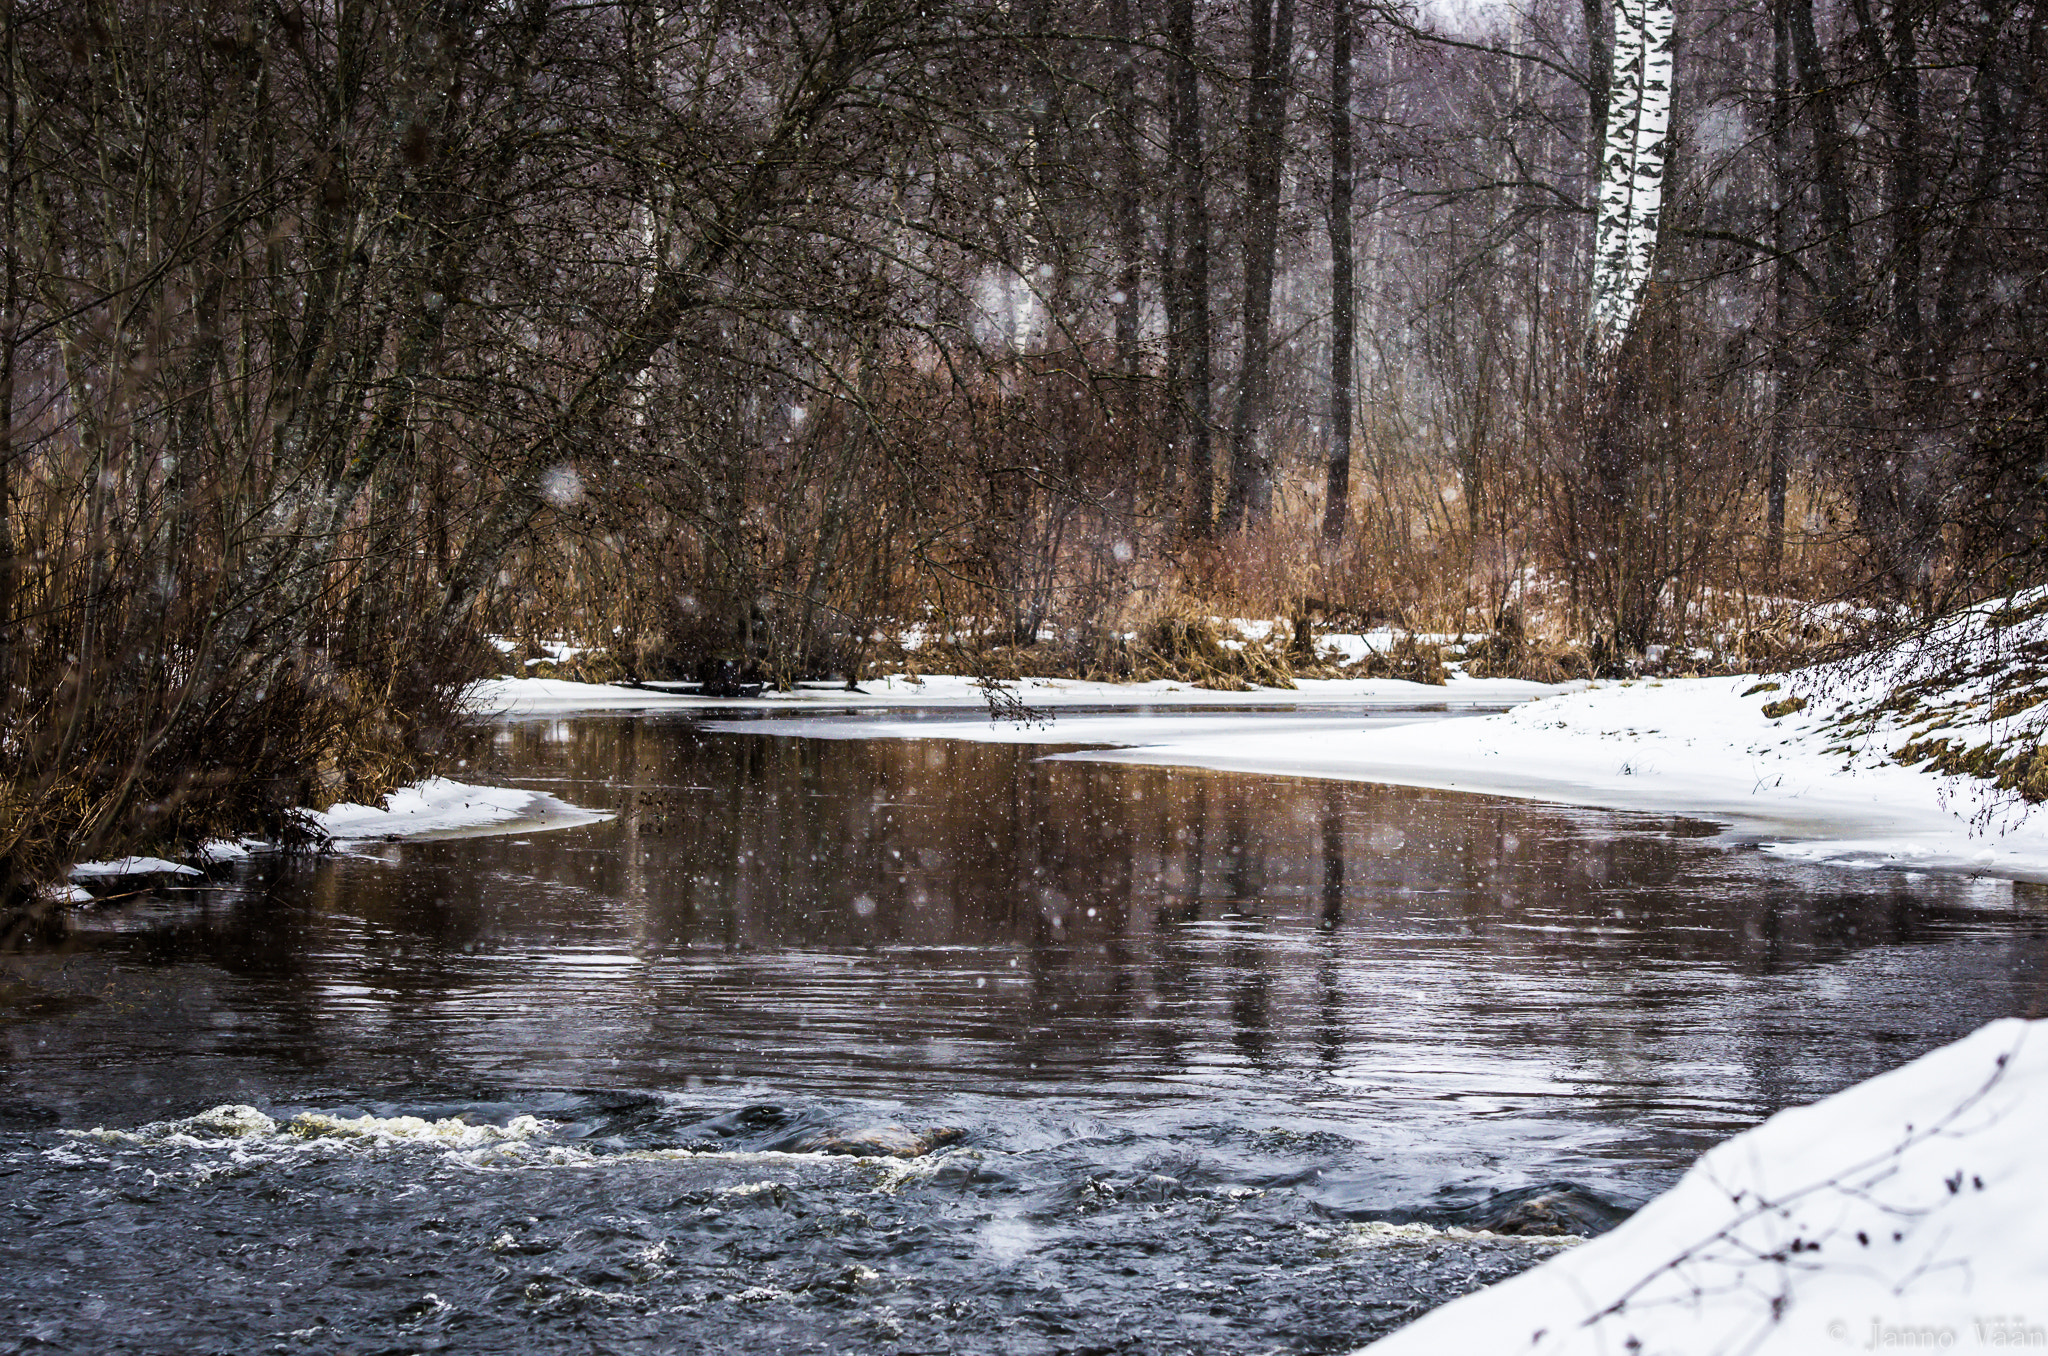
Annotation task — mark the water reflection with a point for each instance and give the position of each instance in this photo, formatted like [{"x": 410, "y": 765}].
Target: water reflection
[{"x": 1480, "y": 987}]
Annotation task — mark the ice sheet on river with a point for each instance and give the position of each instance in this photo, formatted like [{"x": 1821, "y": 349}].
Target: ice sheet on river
[
  {"x": 440, "y": 808},
  {"x": 558, "y": 696},
  {"x": 1903, "y": 1212},
  {"x": 1702, "y": 747}
]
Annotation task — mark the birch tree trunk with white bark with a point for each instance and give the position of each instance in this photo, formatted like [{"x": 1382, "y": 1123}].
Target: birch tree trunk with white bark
[{"x": 1631, "y": 200}]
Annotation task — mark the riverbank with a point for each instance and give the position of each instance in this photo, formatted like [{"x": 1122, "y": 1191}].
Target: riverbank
[
  {"x": 436, "y": 808},
  {"x": 1797, "y": 784},
  {"x": 559, "y": 696},
  {"x": 1927, "y": 756},
  {"x": 1903, "y": 1212}
]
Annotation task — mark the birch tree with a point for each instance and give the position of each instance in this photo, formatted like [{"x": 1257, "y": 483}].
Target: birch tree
[{"x": 1631, "y": 194}]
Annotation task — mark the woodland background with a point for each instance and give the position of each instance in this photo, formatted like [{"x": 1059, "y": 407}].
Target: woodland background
[{"x": 743, "y": 339}]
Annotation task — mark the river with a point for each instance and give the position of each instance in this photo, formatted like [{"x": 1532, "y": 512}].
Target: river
[{"x": 850, "y": 1045}]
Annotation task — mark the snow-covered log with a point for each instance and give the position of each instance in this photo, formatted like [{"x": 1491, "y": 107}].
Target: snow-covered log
[{"x": 1632, "y": 167}]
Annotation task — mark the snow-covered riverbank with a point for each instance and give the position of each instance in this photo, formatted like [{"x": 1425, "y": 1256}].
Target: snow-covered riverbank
[
  {"x": 1798, "y": 783},
  {"x": 558, "y": 696},
  {"x": 1905, "y": 1212},
  {"x": 1839, "y": 764},
  {"x": 1807, "y": 766},
  {"x": 1883, "y": 762},
  {"x": 1702, "y": 747}
]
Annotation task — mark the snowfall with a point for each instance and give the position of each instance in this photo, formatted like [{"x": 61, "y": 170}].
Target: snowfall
[{"x": 1909, "y": 1211}]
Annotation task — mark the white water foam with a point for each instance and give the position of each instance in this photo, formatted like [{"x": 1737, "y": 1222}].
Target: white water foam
[
  {"x": 1380, "y": 1234},
  {"x": 248, "y": 1128}
]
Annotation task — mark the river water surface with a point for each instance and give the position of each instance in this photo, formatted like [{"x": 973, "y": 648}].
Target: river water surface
[{"x": 847, "y": 1045}]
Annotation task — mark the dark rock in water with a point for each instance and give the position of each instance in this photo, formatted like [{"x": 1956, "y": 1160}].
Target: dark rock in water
[
  {"x": 751, "y": 1119},
  {"x": 766, "y": 1126},
  {"x": 1552, "y": 1210},
  {"x": 969, "y": 1173},
  {"x": 883, "y": 1141}
]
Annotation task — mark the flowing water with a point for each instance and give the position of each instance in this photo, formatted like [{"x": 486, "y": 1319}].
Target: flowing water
[{"x": 920, "y": 1046}]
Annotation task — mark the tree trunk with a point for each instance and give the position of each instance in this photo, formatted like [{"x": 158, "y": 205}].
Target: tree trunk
[
  {"x": 1192, "y": 341},
  {"x": 1599, "y": 75},
  {"x": 1130, "y": 222},
  {"x": 1883, "y": 512},
  {"x": 1778, "y": 469},
  {"x": 1631, "y": 201},
  {"x": 1343, "y": 300},
  {"x": 1838, "y": 304},
  {"x": 1965, "y": 258},
  {"x": 10, "y": 312},
  {"x": 1632, "y": 366},
  {"x": 1250, "y": 499},
  {"x": 1902, "y": 197}
]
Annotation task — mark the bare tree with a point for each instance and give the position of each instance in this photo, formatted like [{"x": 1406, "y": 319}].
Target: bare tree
[
  {"x": 1250, "y": 495},
  {"x": 1190, "y": 343},
  {"x": 1343, "y": 289}
]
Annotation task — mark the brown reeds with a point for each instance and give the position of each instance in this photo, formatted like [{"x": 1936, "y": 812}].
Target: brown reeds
[{"x": 154, "y": 719}]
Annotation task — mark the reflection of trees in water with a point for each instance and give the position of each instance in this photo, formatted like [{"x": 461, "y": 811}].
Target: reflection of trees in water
[
  {"x": 1330, "y": 1020},
  {"x": 786, "y": 904}
]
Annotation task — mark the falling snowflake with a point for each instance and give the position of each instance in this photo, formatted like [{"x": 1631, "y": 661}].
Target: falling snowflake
[{"x": 561, "y": 486}]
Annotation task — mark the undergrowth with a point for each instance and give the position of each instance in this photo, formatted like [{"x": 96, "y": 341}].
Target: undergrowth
[
  {"x": 1967, "y": 696},
  {"x": 236, "y": 753}
]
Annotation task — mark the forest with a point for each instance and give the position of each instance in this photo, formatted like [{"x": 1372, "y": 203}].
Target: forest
[{"x": 747, "y": 340}]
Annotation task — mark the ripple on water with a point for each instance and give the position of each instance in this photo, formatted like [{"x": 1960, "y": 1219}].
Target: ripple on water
[{"x": 884, "y": 1046}]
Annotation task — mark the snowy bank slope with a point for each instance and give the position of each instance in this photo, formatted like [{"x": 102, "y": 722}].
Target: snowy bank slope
[
  {"x": 1697, "y": 746},
  {"x": 1969, "y": 697},
  {"x": 1909, "y": 1211}
]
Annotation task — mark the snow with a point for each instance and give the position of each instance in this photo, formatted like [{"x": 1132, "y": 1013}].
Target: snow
[
  {"x": 1688, "y": 746},
  {"x": 437, "y": 808},
  {"x": 1970, "y": 679},
  {"x": 1152, "y": 728},
  {"x": 1903, "y": 1212},
  {"x": 440, "y": 808},
  {"x": 217, "y": 851},
  {"x": 1352, "y": 647},
  {"x": 1818, "y": 784},
  {"x": 554, "y": 696},
  {"x": 1700, "y": 747},
  {"x": 129, "y": 866}
]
